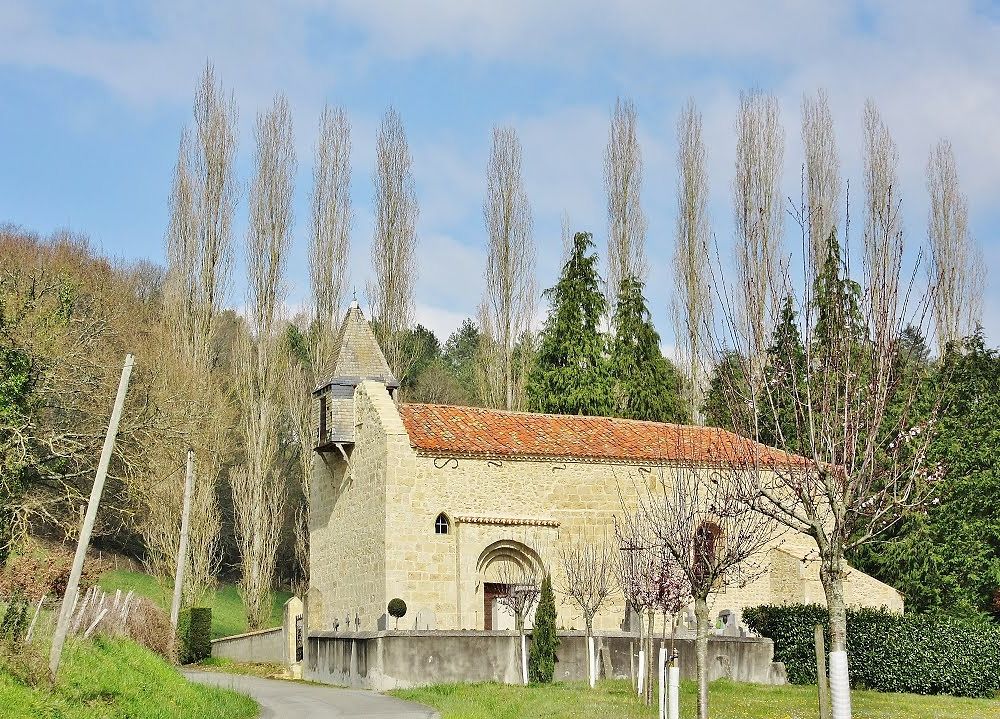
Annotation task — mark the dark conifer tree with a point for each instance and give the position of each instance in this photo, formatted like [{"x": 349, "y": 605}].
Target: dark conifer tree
[
  {"x": 646, "y": 385},
  {"x": 781, "y": 421},
  {"x": 570, "y": 374},
  {"x": 728, "y": 381},
  {"x": 544, "y": 640}
]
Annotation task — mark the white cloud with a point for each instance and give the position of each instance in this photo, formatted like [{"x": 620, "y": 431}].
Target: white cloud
[{"x": 440, "y": 321}]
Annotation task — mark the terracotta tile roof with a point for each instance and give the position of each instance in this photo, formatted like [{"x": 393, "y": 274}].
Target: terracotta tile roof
[{"x": 477, "y": 432}]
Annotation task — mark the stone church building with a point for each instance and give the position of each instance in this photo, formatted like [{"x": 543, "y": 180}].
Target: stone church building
[{"x": 427, "y": 502}]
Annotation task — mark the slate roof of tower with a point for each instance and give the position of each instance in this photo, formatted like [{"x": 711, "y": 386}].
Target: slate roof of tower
[
  {"x": 477, "y": 432},
  {"x": 359, "y": 355}
]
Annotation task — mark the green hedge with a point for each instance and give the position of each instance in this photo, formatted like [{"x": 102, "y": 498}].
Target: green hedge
[
  {"x": 194, "y": 635},
  {"x": 918, "y": 653}
]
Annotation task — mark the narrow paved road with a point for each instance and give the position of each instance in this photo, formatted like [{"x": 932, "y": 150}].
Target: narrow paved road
[{"x": 295, "y": 700}]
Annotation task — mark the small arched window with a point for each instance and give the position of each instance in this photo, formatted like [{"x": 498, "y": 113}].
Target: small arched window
[{"x": 441, "y": 524}]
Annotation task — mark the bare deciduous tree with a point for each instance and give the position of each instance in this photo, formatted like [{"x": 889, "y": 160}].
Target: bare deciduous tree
[
  {"x": 519, "y": 593},
  {"x": 692, "y": 300},
  {"x": 883, "y": 232},
  {"x": 258, "y": 486},
  {"x": 623, "y": 182},
  {"x": 700, "y": 518},
  {"x": 845, "y": 406},
  {"x": 329, "y": 244},
  {"x": 822, "y": 174},
  {"x": 956, "y": 267},
  {"x": 588, "y": 581},
  {"x": 394, "y": 262},
  {"x": 757, "y": 207},
  {"x": 507, "y": 308},
  {"x": 199, "y": 256},
  {"x": 215, "y": 121}
]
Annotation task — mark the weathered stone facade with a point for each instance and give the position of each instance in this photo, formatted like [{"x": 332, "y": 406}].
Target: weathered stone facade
[
  {"x": 501, "y": 487},
  {"x": 373, "y": 530}
]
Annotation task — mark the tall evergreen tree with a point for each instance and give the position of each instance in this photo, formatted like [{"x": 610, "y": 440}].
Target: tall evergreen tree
[
  {"x": 570, "y": 375},
  {"x": 728, "y": 381},
  {"x": 646, "y": 385},
  {"x": 785, "y": 374},
  {"x": 460, "y": 356},
  {"x": 544, "y": 640},
  {"x": 946, "y": 557}
]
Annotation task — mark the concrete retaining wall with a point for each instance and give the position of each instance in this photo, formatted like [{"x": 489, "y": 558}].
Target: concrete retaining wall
[
  {"x": 392, "y": 660},
  {"x": 266, "y": 646}
]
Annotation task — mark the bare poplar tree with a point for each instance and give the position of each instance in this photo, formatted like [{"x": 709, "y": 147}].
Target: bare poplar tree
[
  {"x": 394, "y": 262},
  {"x": 199, "y": 257},
  {"x": 623, "y": 182},
  {"x": 822, "y": 174},
  {"x": 757, "y": 208},
  {"x": 329, "y": 247},
  {"x": 588, "y": 582},
  {"x": 565, "y": 237},
  {"x": 215, "y": 122},
  {"x": 692, "y": 300},
  {"x": 699, "y": 517},
  {"x": 258, "y": 487},
  {"x": 329, "y": 244},
  {"x": 844, "y": 405},
  {"x": 883, "y": 231},
  {"x": 956, "y": 267},
  {"x": 508, "y": 303}
]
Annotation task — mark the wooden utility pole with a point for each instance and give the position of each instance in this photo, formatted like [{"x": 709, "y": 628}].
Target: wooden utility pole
[
  {"x": 182, "y": 550},
  {"x": 73, "y": 586},
  {"x": 824, "y": 691}
]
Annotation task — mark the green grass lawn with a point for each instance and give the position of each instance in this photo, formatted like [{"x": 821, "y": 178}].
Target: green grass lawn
[
  {"x": 228, "y": 614},
  {"x": 105, "y": 679},
  {"x": 728, "y": 700}
]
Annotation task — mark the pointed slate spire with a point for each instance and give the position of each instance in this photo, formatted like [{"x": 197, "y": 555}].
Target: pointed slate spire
[{"x": 358, "y": 358}]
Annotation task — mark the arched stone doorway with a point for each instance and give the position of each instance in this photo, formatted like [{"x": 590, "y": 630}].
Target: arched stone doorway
[{"x": 497, "y": 565}]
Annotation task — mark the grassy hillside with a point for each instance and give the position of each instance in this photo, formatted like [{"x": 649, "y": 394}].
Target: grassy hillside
[
  {"x": 728, "y": 700},
  {"x": 228, "y": 613},
  {"x": 105, "y": 679}
]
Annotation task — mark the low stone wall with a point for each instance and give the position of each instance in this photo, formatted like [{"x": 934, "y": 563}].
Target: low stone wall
[
  {"x": 267, "y": 646},
  {"x": 396, "y": 659}
]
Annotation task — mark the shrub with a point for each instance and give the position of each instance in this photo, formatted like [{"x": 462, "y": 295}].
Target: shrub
[
  {"x": 397, "y": 609},
  {"x": 918, "y": 653},
  {"x": 15, "y": 620},
  {"x": 544, "y": 640},
  {"x": 194, "y": 635},
  {"x": 42, "y": 570}
]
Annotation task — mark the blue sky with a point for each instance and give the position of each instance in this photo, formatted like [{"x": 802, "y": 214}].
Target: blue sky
[{"x": 93, "y": 96}]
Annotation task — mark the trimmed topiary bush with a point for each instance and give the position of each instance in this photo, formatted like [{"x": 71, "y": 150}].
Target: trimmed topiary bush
[
  {"x": 194, "y": 635},
  {"x": 544, "y": 640},
  {"x": 918, "y": 653},
  {"x": 397, "y": 609}
]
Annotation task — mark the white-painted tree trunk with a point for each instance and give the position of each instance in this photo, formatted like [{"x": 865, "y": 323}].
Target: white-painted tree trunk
[
  {"x": 524, "y": 659},
  {"x": 662, "y": 674},
  {"x": 591, "y": 661},
  {"x": 840, "y": 685},
  {"x": 673, "y": 692},
  {"x": 642, "y": 670}
]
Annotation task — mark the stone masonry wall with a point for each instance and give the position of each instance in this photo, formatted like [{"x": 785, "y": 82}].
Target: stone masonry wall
[
  {"x": 362, "y": 536},
  {"x": 347, "y": 549}
]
